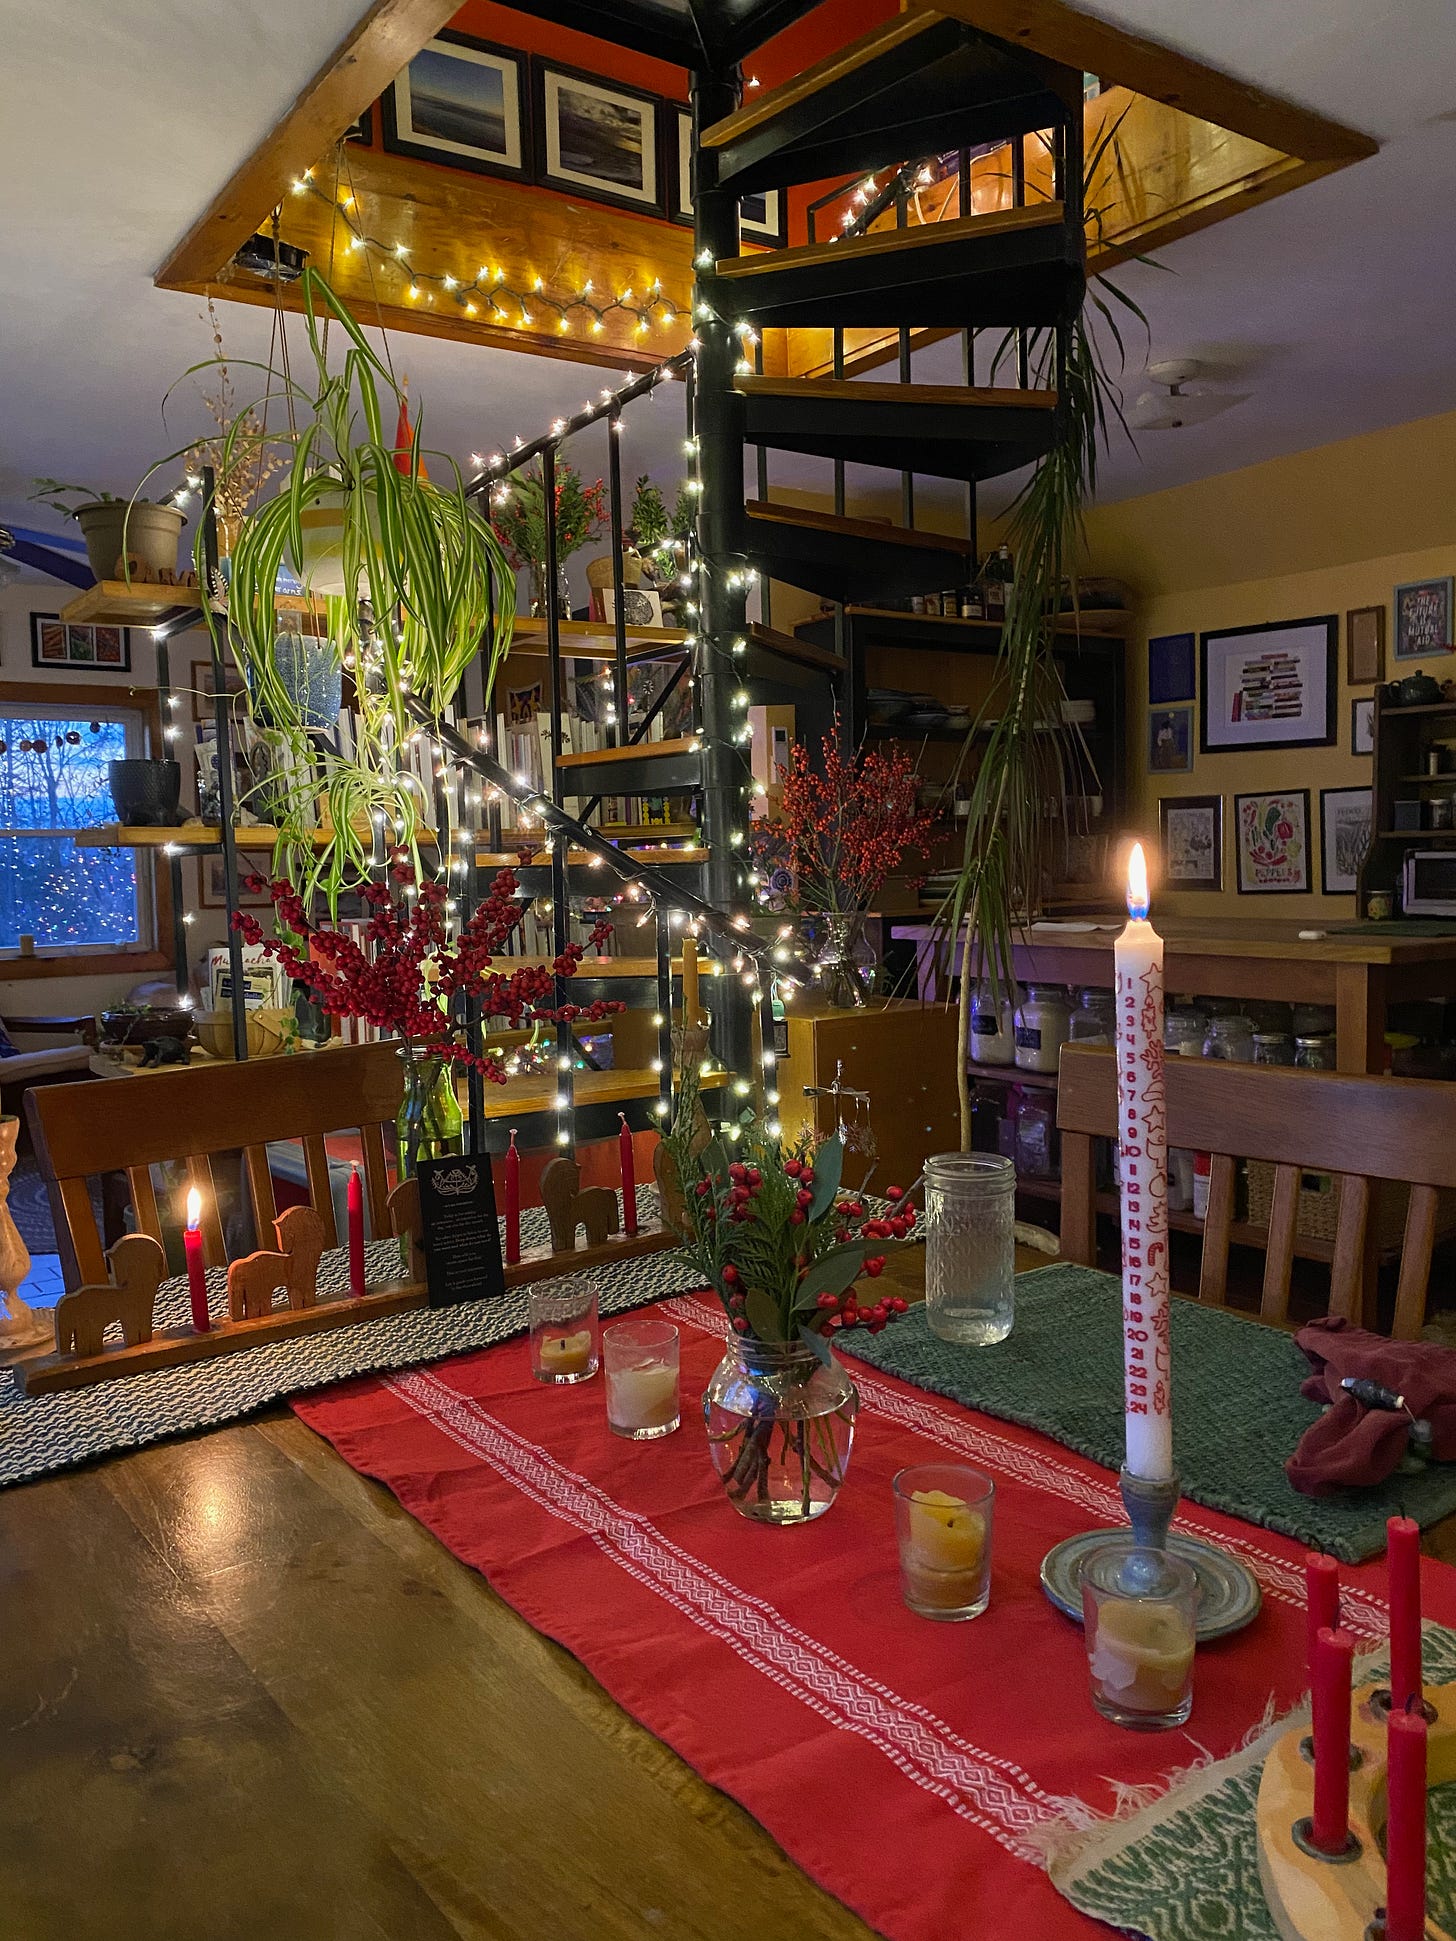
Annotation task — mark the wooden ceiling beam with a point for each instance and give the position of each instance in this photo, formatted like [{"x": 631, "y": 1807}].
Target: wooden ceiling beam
[{"x": 391, "y": 33}]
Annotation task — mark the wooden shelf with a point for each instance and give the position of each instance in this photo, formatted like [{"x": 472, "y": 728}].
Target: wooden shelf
[
  {"x": 1417, "y": 835},
  {"x": 1241, "y": 1234},
  {"x": 510, "y": 858},
  {"x": 1423, "y": 707},
  {"x": 646, "y": 831},
  {"x": 1012, "y": 1075},
  {"x": 536, "y": 1091},
  {"x": 1107, "y": 623},
  {"x": 594, "y": 639},
  {"x": 197, "y": 835},
  {"x": 145, "y": 603}
]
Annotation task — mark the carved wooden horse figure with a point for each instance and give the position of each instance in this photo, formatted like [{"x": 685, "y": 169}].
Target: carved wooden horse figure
[
  {"x": 137, "y": 1264},
  {"x": 567, "y": 1207},
  {"x": 251, "y": 1280}
]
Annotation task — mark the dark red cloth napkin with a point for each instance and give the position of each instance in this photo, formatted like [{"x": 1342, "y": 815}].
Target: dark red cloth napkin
[{"x": 1352, "y": 1445}]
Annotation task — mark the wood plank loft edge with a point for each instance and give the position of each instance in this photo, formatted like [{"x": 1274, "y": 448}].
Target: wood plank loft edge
[
  {"x": 887, "y": 242},
  {"x": 809, "y": 519},
  {"x": 632, "y": 751},
  {"x": 862, "y": 391},
  {"x": 819, "y": 74},
  {"x": 353, "y": 76},
  {"x": 1063, "y": 33}
]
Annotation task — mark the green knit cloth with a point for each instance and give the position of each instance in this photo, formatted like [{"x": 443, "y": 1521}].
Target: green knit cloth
[{"x": 1237, "y": 1409}]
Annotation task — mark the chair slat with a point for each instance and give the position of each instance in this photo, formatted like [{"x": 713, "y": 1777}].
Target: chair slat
[
  {"x": 1415, "y": 1264},
  {"x": 320, "y": 1189},
  {"x": 1213, "y": 1271},
  {"x": 260, "y": 1186},
  {"x": 1279, "y": 1248},
  {"x": 81, "y": 1223},
  {"x": 199, "y": 1172},
  {"x": 144, "y": 1200},
  {"x": 376, "y": 1179},
  {"x": 1079, "y": 1205},
  {"x": 1347, "y": 1269}
]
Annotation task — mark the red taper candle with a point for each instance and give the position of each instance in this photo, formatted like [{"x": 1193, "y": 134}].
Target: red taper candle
[
  {"x": 513, "y": 1202},
  {"x": 356, "y": 1234},
  {"x": 1405, "y": 1828},
  {"x": 1334, "y": 1653},
  {"x": 629, "y": 1177},
  {"x": 196, "y": 1272},
  {"x": 1321, "y": 1601},
  {"x": 1403, "y": 1556}
]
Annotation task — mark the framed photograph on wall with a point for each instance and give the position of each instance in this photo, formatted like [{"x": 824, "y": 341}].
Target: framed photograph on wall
[
  {"x": 1422, "y": 618},
  {"x": 1273, "y": 686},
  {"x": 212, "y": 882},
  {"x": 1170, "y": 740},
  {"x": 680, "y": 200},
  {"x": 1362, "y": 725},
  {"x": 1364, "y": 646},
  {"x": 462, "y": 102},
  {"x": 89, "y": 650},
  {"x": 1344, "y": 838},
  {"x": 763, "y": 218},
  {"x": 596, "y": 139},
  {"x": 199, "y": 692},
  {"x": 1171, "y": 669},
  {"x": 1190, "y": 828},
  {"x": 1271, "y": 838}
]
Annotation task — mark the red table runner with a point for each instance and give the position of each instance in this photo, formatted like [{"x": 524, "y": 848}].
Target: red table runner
[{"x": 915, "y": 1770}]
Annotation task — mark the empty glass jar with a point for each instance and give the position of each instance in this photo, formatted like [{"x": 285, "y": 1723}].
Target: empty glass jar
[
  {"x": 1231, "y": 1038},
  {"x": 970, "y": 1246}
]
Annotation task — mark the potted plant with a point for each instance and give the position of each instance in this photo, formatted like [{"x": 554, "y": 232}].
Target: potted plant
[
  {"x": 518, "y": 514},
  {"x": 125, "y": 538}
]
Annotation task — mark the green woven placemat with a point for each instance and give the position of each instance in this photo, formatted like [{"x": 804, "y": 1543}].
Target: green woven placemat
[
  {"x": 1237, "y": 1409},
  {"x": 1186, "y": 1868}
]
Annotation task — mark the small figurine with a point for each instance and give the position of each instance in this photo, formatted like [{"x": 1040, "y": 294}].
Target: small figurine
[
  {"x": 294, "y": 1267},
  {"x": 567, "y": 1207},
  {"x": 137, "y": 1264}
]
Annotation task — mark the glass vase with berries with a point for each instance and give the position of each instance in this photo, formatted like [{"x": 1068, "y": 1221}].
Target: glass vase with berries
[{"x": 794, "y": 1259}]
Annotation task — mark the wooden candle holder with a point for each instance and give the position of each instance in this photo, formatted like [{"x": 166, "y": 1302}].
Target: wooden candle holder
[{"x": 1312, "y": 1899}]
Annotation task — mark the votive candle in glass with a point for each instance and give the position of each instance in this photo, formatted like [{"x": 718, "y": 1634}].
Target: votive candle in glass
[
  {"x": 640, "y": 1359},
  {"x": 564, "y": 1334},
  {"x": 1140, "y": 1635},
  {"x": 943, "y": 1518}
]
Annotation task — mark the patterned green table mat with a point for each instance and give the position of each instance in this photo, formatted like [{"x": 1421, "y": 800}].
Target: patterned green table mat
[
  {"x": 1237, "y": 1409},
  {"x": 1193, "y": 1875}
]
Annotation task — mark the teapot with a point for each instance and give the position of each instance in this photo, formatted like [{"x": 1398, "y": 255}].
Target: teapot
[{"x": 1415, "y": 691}]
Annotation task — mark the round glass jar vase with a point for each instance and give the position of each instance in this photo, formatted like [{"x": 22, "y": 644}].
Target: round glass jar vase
[
  {"x": 780, "y": 1429},
  {"x": 970, "y": 1247}
]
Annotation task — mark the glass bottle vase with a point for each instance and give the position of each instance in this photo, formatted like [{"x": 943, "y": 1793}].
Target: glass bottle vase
[
  {"x": 842, "y": 962},
  {"x": 780, "y": 1429},
  {"x": 429, "y": 1123}
]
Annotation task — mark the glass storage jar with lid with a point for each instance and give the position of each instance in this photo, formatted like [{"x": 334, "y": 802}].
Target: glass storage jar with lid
[
  {"x": 1273, "y": 1048},
  {"x": 993, "y": 1030},
  {"x": 1094, "y": 1017},
  {"x": 1230, "y": 1036},
  {"x": 1043, "y": 1024},
  {"x": 1183, "y": 1030},
  {"x": 1315, "y": 1053}
]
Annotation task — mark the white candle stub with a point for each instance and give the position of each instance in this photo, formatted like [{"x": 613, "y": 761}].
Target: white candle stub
[
  {"x": 644, "y": 1397},
  {"x": 1142, "y": 1123}
]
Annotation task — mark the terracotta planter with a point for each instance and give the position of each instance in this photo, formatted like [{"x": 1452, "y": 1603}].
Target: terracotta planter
[{"x": 116, "y": 531}]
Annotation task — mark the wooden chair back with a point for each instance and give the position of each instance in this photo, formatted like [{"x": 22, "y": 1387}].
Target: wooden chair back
[
  {"x": 1364, "y": 1130},
  {"x": 194, "y": 1114}
]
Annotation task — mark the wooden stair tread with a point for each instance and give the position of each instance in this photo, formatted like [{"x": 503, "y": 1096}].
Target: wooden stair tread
[
  {"x": 894, "y": 242},
  {"x": 807, "y": 652},
  {"x": 762, "y": 512},
  {"x": 768, "y": 103},
  {"x": 854, "y": 391},
  {"x": 634, "y": 751}
]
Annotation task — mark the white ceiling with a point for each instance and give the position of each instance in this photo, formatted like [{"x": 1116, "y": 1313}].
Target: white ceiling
[{"x": 119, "y": 119}]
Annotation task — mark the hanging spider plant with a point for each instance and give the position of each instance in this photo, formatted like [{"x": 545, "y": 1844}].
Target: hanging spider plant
[{"x": 426, "y": 586}]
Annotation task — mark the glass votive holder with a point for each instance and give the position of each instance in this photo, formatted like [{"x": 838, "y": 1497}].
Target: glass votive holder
[
  {"x": 564, "y": 1335},
  {"x": 1139, "y": 1610},
  {"x": 640, "y": 1357},
  {"x": 943, "y": 1516}
]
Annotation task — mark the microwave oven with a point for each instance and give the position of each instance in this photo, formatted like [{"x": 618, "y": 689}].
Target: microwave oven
[{"x": 1428, "y": 886}]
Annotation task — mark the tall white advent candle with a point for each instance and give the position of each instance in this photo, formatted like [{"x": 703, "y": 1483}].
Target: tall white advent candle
[{"x": 1142, "y": 1124}]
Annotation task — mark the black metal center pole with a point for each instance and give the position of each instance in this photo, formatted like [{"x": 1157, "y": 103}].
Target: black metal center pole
[
  {"x": 560, "y": 877},
  {"x": 619, "y": 601},
  {"x": 224, "y": 772},
  {"x": 722, "y": 592}
]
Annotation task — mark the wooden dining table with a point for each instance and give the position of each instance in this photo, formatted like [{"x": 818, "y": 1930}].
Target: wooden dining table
[{"x": 247, "y": 1694}]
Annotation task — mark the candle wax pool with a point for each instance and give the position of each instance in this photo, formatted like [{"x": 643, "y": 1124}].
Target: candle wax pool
[
  {"x": 565, "y": 1354},
  {"x": 644, "y": 1397},
  {"x": 1141, "y": 1655},
  {"x": 945, "y": 1534}
]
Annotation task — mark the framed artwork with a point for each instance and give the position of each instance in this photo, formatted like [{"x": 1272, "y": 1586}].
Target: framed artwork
[
  {"x": 1364, "y": 646},
  {"x": 1271, "y": 833},
  {"x": 1422, "y": 618},
  {"x": 463, "y": 102},
  {"x": 1362, "y": 725},
  {"x": 597, "y": 140},
  {"x": 1170, "y": 740},
  {"x": 1191, "y": 832},
  {"x": 680, "y": 201},
  {"x": 1344, "y": 838},
  {"x": 361, "y": 128},
  {"x": 1270, "y": 687},
  {"x": 94, "y": 650},
  {"x": 199, "y": 691},
  {"x": 212, "y": 883},
  {"x": 763, "y": 217},
  {"x": 1170, "y": 669}
]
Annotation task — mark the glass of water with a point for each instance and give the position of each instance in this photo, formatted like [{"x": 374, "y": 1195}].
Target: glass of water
[{"x": 970, "y": 1246}]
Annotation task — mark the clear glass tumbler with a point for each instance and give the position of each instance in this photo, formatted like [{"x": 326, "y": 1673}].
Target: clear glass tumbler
[
  {"x": 640, "y": 1357},
  {"x": 565, "y": 1343},
  {"x": 943, "y": 1519},
  {"x": 1140, "y": 1632},
  {"x": 970, "y": 1247}
]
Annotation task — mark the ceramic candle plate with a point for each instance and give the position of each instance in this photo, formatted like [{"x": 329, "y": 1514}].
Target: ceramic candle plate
[{"x": 1228, "y": 1595}]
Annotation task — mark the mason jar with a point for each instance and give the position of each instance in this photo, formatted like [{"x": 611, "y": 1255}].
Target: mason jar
[
  {"x": 1094, "y": 1018},
  {"x": 993, "y": 1040},
  {"x": 1231, "y": 1038},
  {"x": 970, "y": 1247},
  {"x": 1273, "y": 1048},
  {"x": 1043, "y": 1025},
  {"x": 1315, "y": 1053}
]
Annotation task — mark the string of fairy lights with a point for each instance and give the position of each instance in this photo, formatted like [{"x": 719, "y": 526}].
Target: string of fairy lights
[{"x": 491, "y": 295}]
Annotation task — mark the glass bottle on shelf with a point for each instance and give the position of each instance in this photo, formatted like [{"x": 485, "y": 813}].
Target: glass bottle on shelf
[{"x": 996, "y": 576}]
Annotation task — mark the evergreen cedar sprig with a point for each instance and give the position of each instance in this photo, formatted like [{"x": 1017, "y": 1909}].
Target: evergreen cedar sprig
[
  {"x": 841, "y": 831},
  {"x": 771, "y": 1233},
  {"x": 408, "y": 973}
]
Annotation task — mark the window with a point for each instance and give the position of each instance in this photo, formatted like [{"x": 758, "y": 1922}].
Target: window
[{"x": 53, "y": 779}]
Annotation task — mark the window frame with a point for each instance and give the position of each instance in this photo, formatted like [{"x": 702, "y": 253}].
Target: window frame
[{"x": 154, "y": 882}]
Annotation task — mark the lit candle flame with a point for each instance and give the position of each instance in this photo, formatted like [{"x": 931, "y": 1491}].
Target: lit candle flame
[
  {"x": 194, "y": 1208},
  {"x": 1137, "y": 882}
]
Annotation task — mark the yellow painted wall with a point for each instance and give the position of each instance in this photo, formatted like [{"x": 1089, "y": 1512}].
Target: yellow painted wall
[{"x": 1318, "y": 532}]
